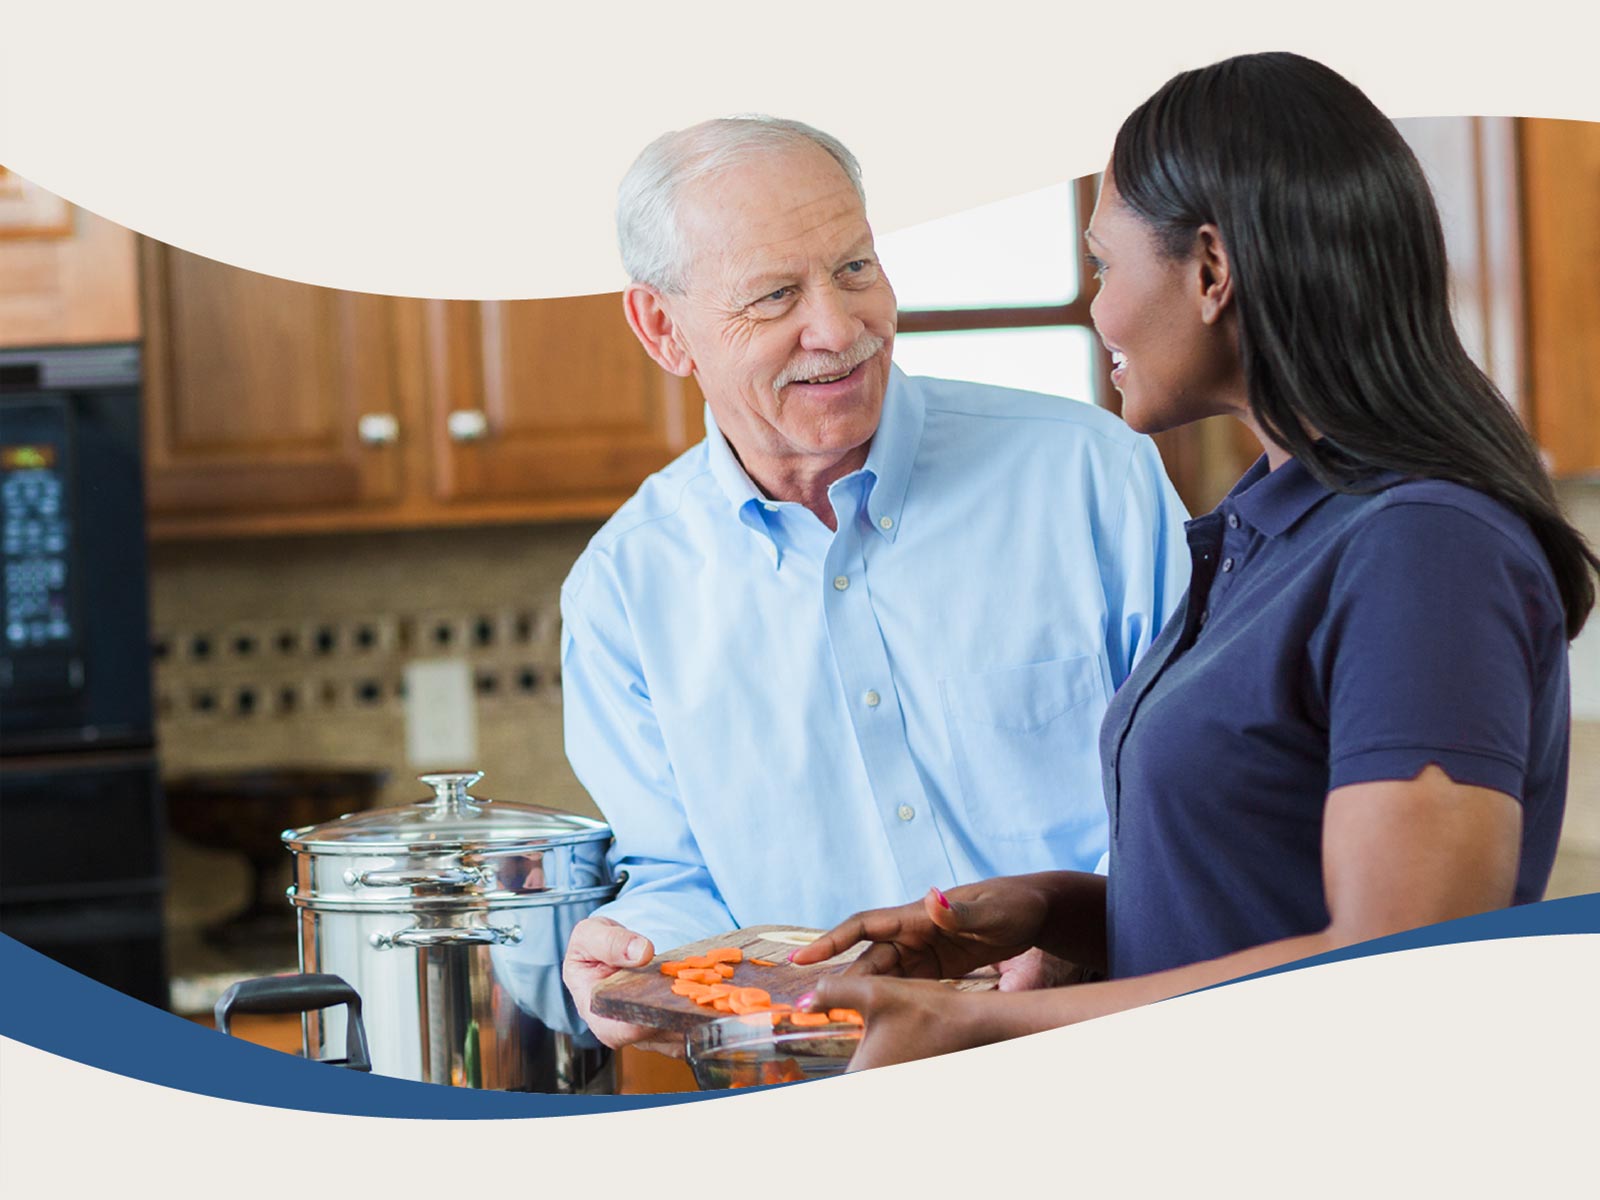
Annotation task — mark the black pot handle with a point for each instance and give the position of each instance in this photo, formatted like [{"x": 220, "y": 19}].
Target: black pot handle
[{"x": 301, "y": 993}]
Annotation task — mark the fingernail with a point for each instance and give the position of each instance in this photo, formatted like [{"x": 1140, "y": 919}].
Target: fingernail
[
  {"x": 792, "y": 953},
  {"x": 805, "y": 1001},
  {"x": 635, "y": 950},
  {"x": 945, "y": 903}
]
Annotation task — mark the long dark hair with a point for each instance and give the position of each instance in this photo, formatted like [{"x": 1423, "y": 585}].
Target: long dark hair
[{"x": 1340, "y": 284}]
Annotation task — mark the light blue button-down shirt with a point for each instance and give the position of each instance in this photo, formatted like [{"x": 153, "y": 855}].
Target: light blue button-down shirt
[{"x": 785, "y": 724}]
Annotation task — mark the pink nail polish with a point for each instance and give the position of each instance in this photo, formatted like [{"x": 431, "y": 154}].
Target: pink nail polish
[
  {"x": 943, "y": 902},
  {"x": 792, "y": 953},
  {"x": 804, "y": 1002}
]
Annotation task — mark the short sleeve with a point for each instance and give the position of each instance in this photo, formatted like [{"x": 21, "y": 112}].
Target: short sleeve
[{"x": 1431, "y": 647}]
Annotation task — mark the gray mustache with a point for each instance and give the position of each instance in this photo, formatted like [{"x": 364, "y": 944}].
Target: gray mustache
[{"x": 813, "y": 365}]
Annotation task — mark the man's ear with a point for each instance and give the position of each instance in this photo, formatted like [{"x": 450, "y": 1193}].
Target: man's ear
[
  {"x": 657, "y": 332},
  {"x": 1215, "y": 274}
]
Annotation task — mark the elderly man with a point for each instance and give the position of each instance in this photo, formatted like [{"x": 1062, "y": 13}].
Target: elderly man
[{"x": 858, "y": 642}]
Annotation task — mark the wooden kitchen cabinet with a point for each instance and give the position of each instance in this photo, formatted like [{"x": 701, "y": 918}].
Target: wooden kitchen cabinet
[
  {"x": 1561, "y": 247},
  {"x": 548, "y": 405},
  {"x": 66, "y": 275},
  {"x": 255, "y": 390},
  {"x": 280, "y": 407}
]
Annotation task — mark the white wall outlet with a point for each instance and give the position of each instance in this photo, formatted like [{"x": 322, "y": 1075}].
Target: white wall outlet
[{"x": 441, "y": 714}]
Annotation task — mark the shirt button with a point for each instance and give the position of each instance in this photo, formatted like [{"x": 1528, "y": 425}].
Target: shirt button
[
  {"x": 770, "y": 507},
  {"x": 1204, "y": 616},
  {"x": 1227, "y": 564},
  {"x": 885, "y": 522},
  {"x": 840, "y": 582},
  {"x": 905, "y": 812},
  {"x": 872, "y": 699},
  {"x": 1233, "y": 520}
]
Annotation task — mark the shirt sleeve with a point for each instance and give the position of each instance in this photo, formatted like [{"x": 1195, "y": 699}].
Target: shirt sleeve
[
  {"x": 1430, "y": 647},
  {"x": 1148, "y": 569},
  {"x": 616, "y": 750}
]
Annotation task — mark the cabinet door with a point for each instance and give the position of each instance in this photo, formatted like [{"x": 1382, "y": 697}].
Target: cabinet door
[
  {"x": 1561, "y": 221},
  {"x": 66, "y": 275},
  {"x": 256, "y": 388},
  {"x": 551, "y": 404}
]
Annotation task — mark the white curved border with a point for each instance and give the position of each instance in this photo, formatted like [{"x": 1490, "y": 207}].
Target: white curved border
[
  {"x": 411, "y": 147},
  {"x": 1457, "y": 1070}
]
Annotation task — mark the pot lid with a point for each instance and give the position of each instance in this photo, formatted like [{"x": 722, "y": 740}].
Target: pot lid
[{"x": 450, "y": 817}]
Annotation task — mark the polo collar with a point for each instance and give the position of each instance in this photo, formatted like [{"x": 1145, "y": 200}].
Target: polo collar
[{"x": 1273, "y": 502}]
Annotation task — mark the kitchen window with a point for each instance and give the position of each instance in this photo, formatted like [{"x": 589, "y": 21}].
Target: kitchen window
[{"x": 999, "y": 294}]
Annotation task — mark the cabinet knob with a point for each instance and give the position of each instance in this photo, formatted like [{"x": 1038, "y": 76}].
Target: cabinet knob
[
  {"x": 378, "y": 429},
  {"x": 467, "y": 425}
]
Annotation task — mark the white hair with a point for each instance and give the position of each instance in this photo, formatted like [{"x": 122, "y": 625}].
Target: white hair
[{"x": 648, "y": 232}]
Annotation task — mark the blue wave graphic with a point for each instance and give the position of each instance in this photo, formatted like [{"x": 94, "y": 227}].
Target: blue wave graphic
[{"x": 45, "y": 1005}]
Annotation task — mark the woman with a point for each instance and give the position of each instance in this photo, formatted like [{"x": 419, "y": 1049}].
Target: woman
[{"x": 1360, "y": 723}]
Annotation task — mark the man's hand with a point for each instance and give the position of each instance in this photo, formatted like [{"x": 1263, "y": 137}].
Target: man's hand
[{"x": 598, "y": 949}]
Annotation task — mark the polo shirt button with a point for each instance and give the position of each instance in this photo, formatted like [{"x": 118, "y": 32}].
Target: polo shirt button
[
  {"x": 840, "y": 582},
  {"x": 885, "y": 522},
  {"x": 1233, "y": 520},
  {"x": 872, "y": 699},
  {"x": 905, "y": 812},
  {"x": 770, "y": 507},
  {"x": 1227, "y": 564}
]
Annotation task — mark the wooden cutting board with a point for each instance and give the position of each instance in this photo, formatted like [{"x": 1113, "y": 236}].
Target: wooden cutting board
[{"x": 643, "y": 995}]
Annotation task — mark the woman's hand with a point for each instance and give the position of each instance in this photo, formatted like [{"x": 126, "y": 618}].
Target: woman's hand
[
  {"x": 908, "y": 1018},
  {"x": 944, "y": 935}
]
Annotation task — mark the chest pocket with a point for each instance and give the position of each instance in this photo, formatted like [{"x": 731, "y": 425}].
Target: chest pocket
[{"x": 1025, "y": 744}]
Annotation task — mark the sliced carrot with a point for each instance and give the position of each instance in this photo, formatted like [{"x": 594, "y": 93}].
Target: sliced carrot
[
  {"x": 808, "y": 1018},
  {"x": 723, "y": 969},
  {"x": 705, "y": 998},
  {"x": 699, "y": 975},
  {"x": 778, "y": 1010},
  {"x": 848, "y": 1015},
  {"x": 699, "y": 962},
  {"x": 687, "y": 987},
  {"x": 671, "y": 968},
  {"x": 725, "y": 954},
  {"x": 754, "y": 995},
  {"x": 761, "y": 962},
  {"x": 722, "y": 1004}
]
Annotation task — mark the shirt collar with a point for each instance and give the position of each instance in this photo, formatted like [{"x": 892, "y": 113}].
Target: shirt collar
[
  {"x": 888, "y": 466},
  {"x": 1274, "y": 501}
]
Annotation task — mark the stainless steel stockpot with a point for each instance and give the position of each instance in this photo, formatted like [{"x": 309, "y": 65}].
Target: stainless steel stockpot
[{"x": 450, "y": 918}]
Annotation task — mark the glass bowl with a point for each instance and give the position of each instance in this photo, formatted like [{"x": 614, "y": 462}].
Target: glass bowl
[{"x": 763, "y": 1048}]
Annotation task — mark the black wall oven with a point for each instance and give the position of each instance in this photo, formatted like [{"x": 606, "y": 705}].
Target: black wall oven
[{"x": 81, "y": 815}]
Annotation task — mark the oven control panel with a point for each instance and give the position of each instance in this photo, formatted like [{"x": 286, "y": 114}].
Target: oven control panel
[{"x": 34, "y": 535}]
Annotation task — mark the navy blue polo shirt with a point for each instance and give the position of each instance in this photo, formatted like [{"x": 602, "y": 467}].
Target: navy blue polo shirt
[{"x": 1327, "y": 639}]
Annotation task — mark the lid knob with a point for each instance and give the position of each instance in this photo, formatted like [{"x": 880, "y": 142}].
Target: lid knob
[{"x": 450, "y": 790}]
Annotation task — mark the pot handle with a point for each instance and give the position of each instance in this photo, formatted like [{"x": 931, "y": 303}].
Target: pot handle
[
  {"x": 298, "y": 994},
  {"x": 448, "y": 877},
  {"x": 501, "y": 935}
]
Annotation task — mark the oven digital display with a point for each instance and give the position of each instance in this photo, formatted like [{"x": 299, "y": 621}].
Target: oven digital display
[{"x": 27, "y": 458}]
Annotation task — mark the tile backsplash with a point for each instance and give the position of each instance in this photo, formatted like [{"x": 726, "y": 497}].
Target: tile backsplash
[{"x": 293, "y": 652}]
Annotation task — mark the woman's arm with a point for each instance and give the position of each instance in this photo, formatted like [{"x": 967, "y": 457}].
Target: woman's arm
[{"x": 1396, "y": 855}]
